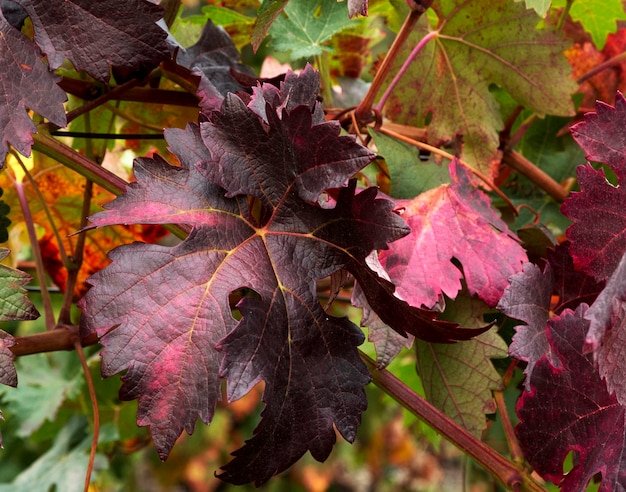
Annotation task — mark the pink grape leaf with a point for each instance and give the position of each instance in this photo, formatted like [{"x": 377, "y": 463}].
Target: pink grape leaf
[
  {"x": 528, "y": 299},
  {"x": 97, "y": 35},
  {"x": 598, "y": 211},
  {"x": 26, "y": 84},
  {"x": 607, "y": 332},
  {"x": 175, "y": 340},
  {"x": 452, "y": 222},
  {"x": 570, "y": 410}
]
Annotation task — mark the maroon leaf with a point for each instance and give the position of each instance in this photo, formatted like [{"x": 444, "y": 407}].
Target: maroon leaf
[
  {"x": 571, "y": 286},
  {"x": 26, "y": 84},
  {"x": 173, "y": 339},
  {"x": 598, "y": 232},
  {"x": 8, "y": 375},
  {"x": 569, "y": 409},
  {"x": 97, "y": 35},
  {"x": 453, "y": 222},
  {"x": 528, "y": 299},
  {"x": 214, "y": 55},
  {"x": 607, "y": 332}
]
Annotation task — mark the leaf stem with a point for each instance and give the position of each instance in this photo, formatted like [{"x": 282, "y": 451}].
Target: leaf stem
[
  {"x": 522, "y": 165},
  {"x": 32, "y": 236},
  {"x": 615, "y": 60},
  {"x": 82, "y": 165},
  {"x": 404, "y": 68},
  {"x": 324, "y": 68},
  {"x": 94, "y": 405},
  {"x": 363, "y": 112},
  {"x": 504, "y": 470},
  {"x": 443, "y": 153}
]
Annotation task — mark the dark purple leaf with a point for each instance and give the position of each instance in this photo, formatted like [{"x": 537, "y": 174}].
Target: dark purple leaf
[
  {"x": 570, "y": 410},
  {"x": 26, "y": 84},
  {"x": 528, "y": 299},
  {"x": 175, "y": 338},
  {"x": 97, "y": 35},
  {"x": 598, "y": 211},
  {"x": 571, "y": 286}
]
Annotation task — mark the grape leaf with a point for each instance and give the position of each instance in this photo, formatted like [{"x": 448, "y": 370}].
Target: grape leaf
[
  {"x": 387, "y": 342},
  {"x": 583, "y": 417},
  {"x": 528, "y": 299},
  {"x": 97, "y": 35},
  {"x": 26, "y": 84},
  {"x": 598, "y": 232},
  {"x": 458, "y": 378},
  {"x": 280, "y": 162},
  {"x": 267, "y": 14},
  {"x": 539, "y": 6},
  {"x": 409, "y": 175},
  {"x": 607, "y": 332},
  {"x": 306, "y": 26},
  {"x": 14, "y": 304},
  {"x": 45, "y": 380},
  {"x": 453, "y": 221},
  {"x": 502, "y": 41},
  {"x": 598, "y": 18},
  {"x": 214, "y": 55},
  {"x": 571, "y": 286},
  {"x": 62, "y": 467}
]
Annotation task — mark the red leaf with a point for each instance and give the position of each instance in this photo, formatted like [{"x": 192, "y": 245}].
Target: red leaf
[
  {"x": 26, "y": 84},
  {"x": 569, "y": 409},
  {"x": 598, "y": 232},
  {"x": 453, "y": 221},
  {"x": 97, "y": 35},
  {"x": 607, "y": 332}
]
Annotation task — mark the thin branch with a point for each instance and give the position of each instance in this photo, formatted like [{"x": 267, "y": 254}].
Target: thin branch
[
  {"x": 109, "y": 136},
  {"x": 504, "y": 470},
  {"x": 363, "y": 111},
  {"x": 507, "y": 426},
  {"x": 96, "y": 411},
  {"x": 107, "y": 96},
  {"x": 405, "y": 66},
  {"x": 443, "y": 153},
  {"x": 61, "y": 338},
  {"x": 79, "y": 163},
  {"x": 522, "y": 165},
  {"x": 34, "y": 243},
  {"x": 615, "y": 60}
]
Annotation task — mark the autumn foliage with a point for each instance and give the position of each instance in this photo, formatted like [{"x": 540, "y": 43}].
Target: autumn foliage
[{"x": 409, "y": 191}]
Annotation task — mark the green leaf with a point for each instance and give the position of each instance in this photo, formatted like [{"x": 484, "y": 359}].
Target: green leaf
[
  {"x": 14, "y": 304},
  {"x": 307, "y": 25},
  {"x": 410, "y": 176},
  {"x": 599, "y": 18},
  {"x": 458, "y": 378},
  {"x": 63, "y": 466},
  {"x": 478, "y": 44},
  {"x": 539, "y": 6},
  {"x": 43, "y": 387}
]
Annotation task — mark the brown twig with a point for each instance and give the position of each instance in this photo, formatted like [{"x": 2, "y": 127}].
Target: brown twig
[
  {"x": 363, "y": 112},
  {"x": 443, "y": 153},
  {"x": 522, "y": 165},
  {"x": 504, "y": 470},
  {"x": 96, "y": 411}
]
